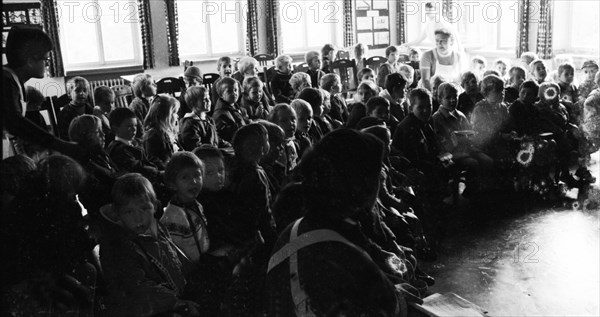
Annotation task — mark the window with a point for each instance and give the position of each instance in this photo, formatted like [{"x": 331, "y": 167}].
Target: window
[
  {"x": 487, "y": 25},
  {"x": 308, "y": 25},
  {"x": 98, "y": 33},
  {"x": 211, "y": 28},
  {"x": 576, "y": 28}
]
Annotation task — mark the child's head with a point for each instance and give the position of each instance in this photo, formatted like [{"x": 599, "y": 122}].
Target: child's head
[
  {"x": 248, "y": 66},
  {"x": 366, "y": 74},
  {"x": 198, "y": 99},
  {"x": 64, "y": 175},
  {"x": 253, "y": 89},
  {"x": 276, "y": 142},
  {"x": 549, "y": 93},
  {"x": 528, "y": 92},
  {"x": 326, "y": 96},
  {"x": 382, "y": 133},
  {"x": 144, "y": 86},
  {"x": 86, "y": 130},
  {"x": 328, "y": 53},
  {"x": 228, "y": 90},
  {"x": 28, "y": 48},
  {"x": 360, "y": 51},
  {"x": 79, "y": 90},
  {"x": 517, "y": 76},
  {"x": 391, "y": 53},
  {"x": 184, "y": 174},
  {"x": 365, "y": 91},
  {"x": 396, "y": 85},
  {"x": 162, "y": 114},
  {"x": 283, "y": 63},
  {"x": 537, "y": 69},
  {"x": 284, "y": 116},
  {"x": 313, "y": 59},
  {"x": 225, "y": 66},
  {"x": 251, "y": 143},
  {"x": 123, "y": 122},
  {"x": 491, "y": 72},
  {"x": 134, "y": 203},
  {"x": 562, "y": 59},
  {"x": 34, "y": 97},
  {"x": 414, "y": 54},
  {"x": 478, "y": 64},
  {"x": 13, "y": 172},
  {"x": 443, "y": 41},
  {"x": 408, "y": 72},
  {"x": 590, "y": 69},
  {"x": 528, "y": 57},
  {"x": 566, "y": 73},
  {"x": 436, "y": 81},
  {"x": 193, "y": 76},
  {"x": 104, "y": 97},
  {"x": 314, "y": 98},
  {"x": 492, "y": 89},
  {"x": 469, "y": 82},
  {"x": 331, "y": 83},
  {"x": 501, "y": 66},
  {"x": 214, "y": 167},
  {"x": 379, "y": 107},
  {"x": 299, "y": 81},
  {"x": 304, "y": 114},
  {"x": 420, "y": 99},
  {"x": 448, "y": 96}
]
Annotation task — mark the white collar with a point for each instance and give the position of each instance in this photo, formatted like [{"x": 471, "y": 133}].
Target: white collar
[{"x": 128, "y": 142}]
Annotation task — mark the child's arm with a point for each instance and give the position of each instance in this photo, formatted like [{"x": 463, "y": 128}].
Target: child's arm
[{"x": 126, "y": 160}]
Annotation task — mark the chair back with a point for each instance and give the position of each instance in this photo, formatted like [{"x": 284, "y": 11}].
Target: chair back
[
  {"x": 209, "y": 79},
  {"x": 264, "y": 59},
  {"x": 187, "y": 64},
  {"x": 346, "y": 69},
  {"x": 269, "y": 74},
  {"x": 123, "y": 95},
  {"x": 57, "y": 104},
  {"x": 170, "y": 85},
  {"x": 301, "y": 68},
  {"x": 374, "y": 62},
  {"x": 403, "y": 58},
  {"x": 48, "y": 107},
  {"x": 342, "y": 54}
]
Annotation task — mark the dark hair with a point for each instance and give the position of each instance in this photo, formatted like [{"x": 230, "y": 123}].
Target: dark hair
[
  {"x": 193, "y": 94},
  {"x": 381, "y": 132},
  {"x": 530, "y": 84},
  {"x": 357, "y": 112},
  {"x": 180, "y": 161},
  {"x": 491, "y": 83},
  {"x": 35, "y": 98},
  {"x": 419, "y": 94},
  {"x": 117, "y": 116},
  {"x": 375, "y": 102},
  {"x": 63, "y": 173},
  {"x": 243, "y": 135},
  {"x": 223, "y": 60},
  {"x": 313, "y": 97},
  {"x": 464, "y": 77},
  {"x": 446, "y": 88},
  {"x": 102, "y": 93},
  {"x": 13, "y": 171},
  {"x": 207, "y": 151},
  {"x": 24, "y": 42},
  {"x": 368, "y": 122},
  {"x": 275, "y": 132},
  {"x": 444, "y": 32},
  {"x": 129, "y": 187},
  {"x": 326, "y": 49},
  {"x": 394, "y": 80},
  {"x": 225, "y": 81},
  {"x": 390, "y": 49},
  {"x": 363, "y": 71},
  {"x": 491, "y": 72}
]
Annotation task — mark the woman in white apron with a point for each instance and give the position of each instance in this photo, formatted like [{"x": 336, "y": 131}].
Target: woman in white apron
[{"x": 441, "y": 61}]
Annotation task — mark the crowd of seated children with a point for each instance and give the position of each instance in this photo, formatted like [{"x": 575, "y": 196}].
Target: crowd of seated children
[{"x": 79, "y": 92}]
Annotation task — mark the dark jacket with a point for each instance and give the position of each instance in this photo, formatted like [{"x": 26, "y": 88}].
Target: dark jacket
[
  {"x": 67, "y": 114},
  {"x": 228, "y": 119},
  {"x": 466, "y": 105},
  {"x": 132, "y": 159},
  {"x": 140, "y": 107},
  {"x": 281, "y": 87},
  {"x": 315, "y": 77},
  {"x": 416, "y": 140},
  {"x": 196, "y": 131},
  {"x": 159, "y": 147}
]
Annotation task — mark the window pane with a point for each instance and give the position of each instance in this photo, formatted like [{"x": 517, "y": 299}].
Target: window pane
[
  {"x": 224, "y": 26},
  {"x": 293, "y": 27},
  {"x": 321, "y": 20},
  {"x": 508, "y": 24},
  {"x": 116, "y": 23},
  {"x": 192, "y": 32},
  {"x": 585, "y": 29},
  {"x": 79, "y": 31}
]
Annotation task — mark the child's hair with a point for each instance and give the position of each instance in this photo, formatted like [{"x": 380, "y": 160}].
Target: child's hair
[
  {"x": 418, "y": 94},
  {"x": 159, "y": 115},
  {"x": 313, "y": 96},
  {"x": 381, "y": 132},
  {"x": 207, "y": 151},
  {"x": 367, "y": 84},
  {"x": 547, "y": 86},
  {"x": 117, "y": 116},
  {"x": 82, "y": 127},
  {"x": 393, "y": 81},
  {"x": 139, "y": 82},
  {"x": 436, "y": 81},
  {"x": 375, "y": 102},
  {"x": 360, "y": 50},
  {"x": 224, "y": 82},
  {"x": 282, "y": 59},
  {"x": 491, "y": 83},
  {"x": 479, "y": 60},
  {"x": 63, "y": 173},
  {"x": 446, "y": 88},
  {"x": 502, "y": 61},
  {"x": 275, "y": 132},
  {"x": 193, "y": 72},
  {"x": 533, "y": 63},
  {"x": 444, "y": 32},
  {"x": 129, "y": 187},
  {"x": 102, "y": 94},
  {"x": 13, "y": 171},
  {"x": 328, "y": 80},
  {"x": 414, "y": 51},
  {"x": 326, "y": 49},
  {"x": 465, "y": 77},
  {"x": 518, "y": 69},
  {"x": 390, "y": 49},
  {"x": 357, "y": 113},
  {"x": 252, "y": 82},
  {"x": 25, "y": 42},
  {"x": 530, "y": 84},
  {"x": 528, "y": 57},
  {"x": 247, "y": 63},
  {"x": 310, "y": 55},
  {"x": 76, "y": 81},
  {"x": 274, "y": 115},
  {"x": 301, "y": 106},
  {"x": 298, "y": 79},
  {"x": 223, "y": 60},
  {"x": 491, "y": 72},
  {"x": 407, "y": 71},
  {"x": 245, "y": 134},
  {"x": 363, "y": 72},
  {"x": 180, "y": 161},
  {"x": 564, "y": 67},
  {"x": 193, "y": 94},
  {"x": 35, "y": 98},
  {"x": 590, "y": 63}
]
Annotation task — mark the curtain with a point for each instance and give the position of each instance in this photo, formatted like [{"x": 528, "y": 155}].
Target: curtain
[
  {"x": 172, "y": 31},
  {"x": 523, "y": 31},
  {"x": 348, "y": 23},
  {"x": 447, "y": 11},
  {"x": 401, "y": 21},
  {"x": 273, "y": 27},
  {"x": 50, "y": 21},
  {"x": 544, "y": 38},
  {"x": 252, "y": 28},
  {"x": 146, "y": 32}
]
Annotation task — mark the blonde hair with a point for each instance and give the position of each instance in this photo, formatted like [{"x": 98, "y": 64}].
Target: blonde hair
[
  {"x": 247, "y": 63},
  {"x": 139, "y": 82},
  {"x": 160, "y": 114},
  {"x": 282, "y": 59},
  {"x": 301, "y": 106},
  {"x": 298, "y": 79},
  {"x": 81, "y": 127},
  {"x": 129, "y": 187}
]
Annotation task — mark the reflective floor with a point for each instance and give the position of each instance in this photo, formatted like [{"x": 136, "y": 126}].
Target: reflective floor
[{"x": 534, "y": 262}]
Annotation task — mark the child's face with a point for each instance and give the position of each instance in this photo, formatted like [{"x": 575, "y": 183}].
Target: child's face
[
  {"x": 527, "y": 95},
  {"x": 127, "y": 129},
  {"x": 285, "y": 67},
  {"x": 255, "y": 94},
  {"x": 226, "y": 70},
  {"x": 567, "y": 76},
  {"x": 108, "y": 105},
  {"x": 368, "y": 76},
  {"x": 393, "y": 57},
  {"x": 477, "y": 67},
  {"x": 495, "y": 97},
  {"x": 590, "y": 73},
  {"x": 470, "y": 85},
  {"x": 79, "y": 93},
  {"x": 422, "y": 109},
  {"x": 204, "y": 104},
  {"x": 539, "y": 71},
  {"x": 287, "y": 122},
  {"x": 96, "y": 137},
  {"x": 149, "y": 90},
  {"x": 449, "y": 100},
  {"x": 517, "y": 78},
  {"x": 137, "y": 215},
  {"x": 193, "y": 81},
  {"x": 188, "y": 184},
  {"x": 336, "y": 87},
  {"x": 414, "y": 57},
  {"x": 399, "y": 92},
  {"x": 230, "y": 93},
  {"x": 501, "y": 68},
  {"x": 304, "y": 121},
  {"x": 381, "y": 112},
  {"x": 214, "y": 179},
  {"x": 314, "y": 63},
  {"x": 305, "y": 84},
  {"x": 364, "y": 94}
]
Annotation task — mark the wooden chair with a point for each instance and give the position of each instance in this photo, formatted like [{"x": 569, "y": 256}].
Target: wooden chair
[
  {"x": 123, "y": 95},
  {"x": 209, "y": 79},
  {"x": 342, "y": 54},
  {"x": 403, "y": 58},
  {"x": 374, "y": 62},
  {"x": 346, "y": 69},
  {"x": 187, "y": 64},
  {"x": 301, "y": 68},
  {"x": 57, "y": 104},
  {"x": 49, "y": 108},
  {"x": 170, "y": 85},
  {"x": 269, "y": 74},
  {"x": 264, "y": 59}
]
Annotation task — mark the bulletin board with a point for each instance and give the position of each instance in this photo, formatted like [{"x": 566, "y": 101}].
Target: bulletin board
[
  {"x": 373, "y": 23},
  {"x": 25, "y": 13}
]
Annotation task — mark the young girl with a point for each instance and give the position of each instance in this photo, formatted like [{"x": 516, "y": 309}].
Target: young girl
[
  {"x": 144, "y": 89},
  {"x": 516, "y": 77},
  {"x": 299, "y": 81},
  {"x": 160, "y": 136},
  {"x": 79, "y": 89},
  {"x": 537, "y": 71},
  {"x": 253, "y": 98},
  {"x": 389, "y": 67},
  {"x": 471, "y": 94},
  {"x": 332, "y": 84}
]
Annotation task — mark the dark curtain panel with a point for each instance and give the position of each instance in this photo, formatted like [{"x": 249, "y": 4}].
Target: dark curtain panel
[
  {"x": 146, "y": 33},
  {"x": 544, "y": 38},
  {"x": 50, "y": 20},
  {"x": 252, "y": 28},
  {"x": 401, "y": 21},
  {"x": 348, "y": 23},
  {"x": 273, "y": 27},
  {"x": 447, "y": 10},
  {"x": 172, "y": 31},
  {"x": 523, "y": 31}
]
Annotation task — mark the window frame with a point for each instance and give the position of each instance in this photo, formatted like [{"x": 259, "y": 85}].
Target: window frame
[{"x": 565, "y": 42}]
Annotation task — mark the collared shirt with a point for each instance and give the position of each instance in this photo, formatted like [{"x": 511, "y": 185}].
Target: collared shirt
[
  {"x": 128, "y": 142},
  {"x": 445, "y": 122}
]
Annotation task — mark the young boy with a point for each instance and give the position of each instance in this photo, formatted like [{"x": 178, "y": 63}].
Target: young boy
[
  {"x": 389, "y": 67},
  {"x": 332, "y": 84},
  {"x": 471, "y": 94},
  {"x": 395, "y": 93},
  {"x": 478, "y": 65},
  {"x": 196, "y": 126},
  {"x": 313, "y": 59},
  {"x": 537, "y": 71},
  {"x": 285, "y": 117},
  {"x": 328, "y": 53},
  {"x": 590, "y": 69},
  {"x": 79, "y": 89},
  {"x": 228, "y": 115},
  {"x": 256, "y": 106},
  {"x": 280, "y": 84},
  {"x": 321, "y": 125},
  {"x": 516, "y": 78},
  {"x": 523, "y": 117},
  {"x": 569, "y": 95},
  {"x": 366, "y": 74},
  {"x": 225, "y": 69},
  {"x": 379, "y": 107},
  {"x": 304, "y": 115},
  {"x": 104, "y": 97}
]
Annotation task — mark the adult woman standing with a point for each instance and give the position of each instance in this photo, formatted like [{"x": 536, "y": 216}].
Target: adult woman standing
[{"x": 442, "y": 60}]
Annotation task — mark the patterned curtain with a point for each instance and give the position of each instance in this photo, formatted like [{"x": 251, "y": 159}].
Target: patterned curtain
[
  {"x": 172, "y": 31},
  {"x": 252, "y": 28},
  {"x": 146, "y": 32},
  {"x": 447, "y": 11},
  {"x": 401, "y": 21},
  {"x": 523, "y": 31},
  {"x": 273, "y": 28},
  {"x": 348, "y": 24},
  {"x": 544, "y": 39},
  {"x": 50, "y": 20}
]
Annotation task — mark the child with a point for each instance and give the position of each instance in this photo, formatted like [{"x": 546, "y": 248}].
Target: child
[
  {"x": 590, "y": 69},
  {"x": 284, "y": 116},
  {"x": 526, "y": 59},
  {"x": 144, "y": 89},
  {"x": 569, "y": 95},
  {"x": 79, "y": 89},
  {"x": 436, "y": 81},
  {"x": 366, "y": 74},
  {"x": 559, "y": 60},
  {"x": 365, "y": 91},
  {"x": 390, "y": 66},
  {"x": 478, "y": 65},
  {"x": 248, "y": 67},
  {"x": 298, "y": 82},
  {"x": 253, "y": 99},
  {"x": 196, "y": 126},
  {"x": 409, "y": 74},
  {"x": 274, "y": 162},
  {"x": 414, "y": 58},
  {"x": 471, "y": 94},
  {"x": 228, "y": 115},
  {"x": 537, "y": 71},
  {"x": 193, "y": 78},
  {"x": 313, "y": 60},
  {"x": 321, "y": 125},
  {"x": 360, "y": 55},
  {"x": 104, "y": 97},
  {"x": 501, "y": 66},
  {"x": 395, "y": 93},
  {"x": 280, "y": 84},
  {"x": 142, "y": 266},
  {"x": 304, "y": 114},
  {"x": 516, "y": 78},
  {"x": 332, "y": 84},
  {"x": 34, "y": 102},
  {"x": 522, "y": 115},
  {"x": 160, "y": 136},
  {"x": 128, "y": 156},
  {"x": 225, "y": 69},
  {"x": 328, "y": 53},
  {"x": 379, "y": 107}
]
